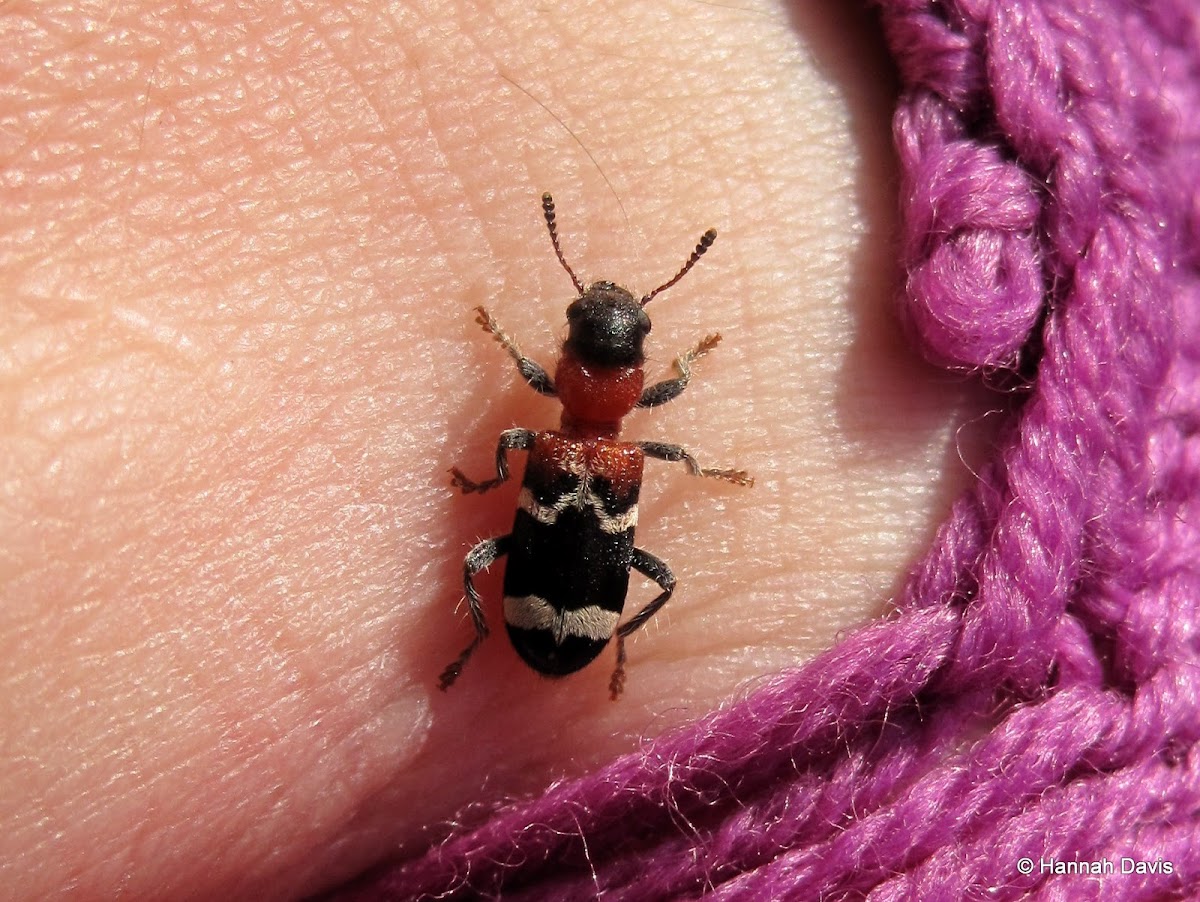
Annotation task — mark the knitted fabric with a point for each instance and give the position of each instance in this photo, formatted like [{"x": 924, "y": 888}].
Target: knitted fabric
[{"x": 1036, "y": 693}]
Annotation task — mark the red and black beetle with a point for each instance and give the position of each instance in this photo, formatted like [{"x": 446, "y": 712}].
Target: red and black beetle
[{"x": 571, "y": 546}]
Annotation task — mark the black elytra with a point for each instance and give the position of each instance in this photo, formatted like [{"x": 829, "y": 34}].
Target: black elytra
[{"x": 572, "y": 548}]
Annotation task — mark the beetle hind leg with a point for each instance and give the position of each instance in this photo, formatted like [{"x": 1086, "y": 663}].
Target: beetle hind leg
[
  {"x": 478, "y": 558},
  {"x": 648, "y": 565}
]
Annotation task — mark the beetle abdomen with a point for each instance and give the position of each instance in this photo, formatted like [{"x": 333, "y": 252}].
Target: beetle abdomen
[{"x": 571, "y": 548}]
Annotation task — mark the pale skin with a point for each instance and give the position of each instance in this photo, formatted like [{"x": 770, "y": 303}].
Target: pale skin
[{"x": 240, "y": 252}]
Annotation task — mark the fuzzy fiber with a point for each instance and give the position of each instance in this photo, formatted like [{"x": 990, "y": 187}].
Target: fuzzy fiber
[{"x": 1037, "y": 691}]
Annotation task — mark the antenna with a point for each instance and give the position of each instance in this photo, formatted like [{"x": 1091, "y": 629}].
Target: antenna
[
  {"x": 548, "y": 210},
  {"x": 706, "y": 241}
]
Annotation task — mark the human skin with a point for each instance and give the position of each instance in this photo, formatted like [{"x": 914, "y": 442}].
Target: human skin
[{"x": 239, "y": 251}]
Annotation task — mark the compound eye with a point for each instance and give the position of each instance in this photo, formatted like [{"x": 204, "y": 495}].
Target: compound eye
[{"x": 643, "y": 320}]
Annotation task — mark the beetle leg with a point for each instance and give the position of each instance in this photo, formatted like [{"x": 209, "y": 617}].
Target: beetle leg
[
  {"x": 670, "y": 389},
  {"x": 479, "y": 558},
  {"x": 510, "y": 440},
  {"x": 531, "y": 371},
  {"x": 648, "y": 565},
  {"x": 676, "y": 453}
]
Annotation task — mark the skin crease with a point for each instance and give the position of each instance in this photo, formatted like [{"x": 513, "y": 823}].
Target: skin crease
[{"x": 239, "y": 253}]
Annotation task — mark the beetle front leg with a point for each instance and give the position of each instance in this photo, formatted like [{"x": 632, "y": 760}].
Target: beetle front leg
[
  {"x": 648, "y": 565},
  {"x": 510, "y": 440},
  {"x": 676, "y": 453},
  {"x": 479, "y": 558},
  {"x": 531, "y": 371},
  {"x": 670, "y": 389}
]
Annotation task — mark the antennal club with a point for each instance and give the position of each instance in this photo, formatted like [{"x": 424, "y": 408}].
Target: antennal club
[
  {"x": 548, "y": 211},
  {"x": 706, "y": 241}
]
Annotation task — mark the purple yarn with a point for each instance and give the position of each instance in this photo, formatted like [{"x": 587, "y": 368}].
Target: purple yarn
[{"x": 1037, "y": 693}]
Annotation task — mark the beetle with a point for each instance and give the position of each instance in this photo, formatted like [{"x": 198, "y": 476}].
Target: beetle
[{"x": 571, "y": 546}]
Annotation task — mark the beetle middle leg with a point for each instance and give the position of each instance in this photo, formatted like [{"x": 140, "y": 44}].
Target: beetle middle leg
[
  {"x": 510, "y": 440},
  {"x": 478, "y": 558},
  {"x": 675, "y": 453},
  {"x": 648, "y": 565}
]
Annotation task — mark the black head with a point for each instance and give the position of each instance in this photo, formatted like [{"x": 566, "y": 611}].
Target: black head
[
  {"x": 607, "y": 323},
  {"x": 607, "y": 326}
]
